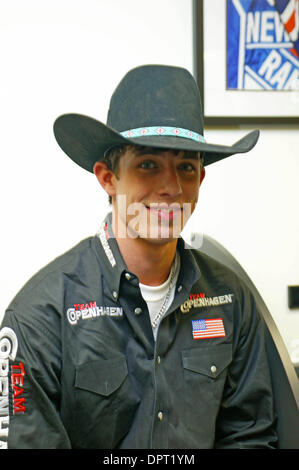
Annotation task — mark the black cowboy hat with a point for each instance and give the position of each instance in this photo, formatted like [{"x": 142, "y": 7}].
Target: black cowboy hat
[{"x": 153, "y": 105}]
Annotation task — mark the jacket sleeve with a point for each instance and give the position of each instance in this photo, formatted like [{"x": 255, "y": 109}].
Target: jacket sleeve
[
  {"x": 247, "y": 418},
  {"x": 30, "y": 386}
]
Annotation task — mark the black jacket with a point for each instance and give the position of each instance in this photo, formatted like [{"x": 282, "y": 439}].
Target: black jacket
[{"x": 81, "y": 369}]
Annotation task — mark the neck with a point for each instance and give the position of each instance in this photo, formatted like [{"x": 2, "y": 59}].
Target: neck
[{"x": 149, "y": 261}]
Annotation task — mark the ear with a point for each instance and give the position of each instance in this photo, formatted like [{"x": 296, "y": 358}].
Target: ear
[
  {"x": 106, "y": 177},
  {"x": 202, "y": 174}
]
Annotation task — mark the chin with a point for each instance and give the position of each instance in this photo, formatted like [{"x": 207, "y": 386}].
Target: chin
[
  {"x": 158, "y": 241},
  {"x": 159, "y": 238}
]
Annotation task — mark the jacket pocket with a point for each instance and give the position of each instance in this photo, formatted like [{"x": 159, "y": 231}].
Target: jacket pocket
[
  {"x": 105, "y": 403},
  {"x": 102, "y": 377},
  {"x": 205, "y": 371},
  {"x": 209, "y": 361}
]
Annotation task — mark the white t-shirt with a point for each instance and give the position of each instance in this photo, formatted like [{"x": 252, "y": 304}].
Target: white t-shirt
[{"x": 155, "y": 296}]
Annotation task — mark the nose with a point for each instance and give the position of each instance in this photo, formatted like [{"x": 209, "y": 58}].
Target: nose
[{"x": 170, "y": 184}]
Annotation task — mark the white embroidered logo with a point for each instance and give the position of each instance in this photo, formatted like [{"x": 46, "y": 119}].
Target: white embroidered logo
[
  {"x": 200, "y": 300},
  {"x": 103, "y": 236},
  {"x": 8, "y": 351},
  {"x": 91, "y": 310}
]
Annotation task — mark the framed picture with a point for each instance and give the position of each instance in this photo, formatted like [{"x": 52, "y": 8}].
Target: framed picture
[{"x": 246, "y": 56}]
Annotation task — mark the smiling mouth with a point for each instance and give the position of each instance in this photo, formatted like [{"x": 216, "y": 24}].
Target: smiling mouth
[{"x": 164, "y": 212}]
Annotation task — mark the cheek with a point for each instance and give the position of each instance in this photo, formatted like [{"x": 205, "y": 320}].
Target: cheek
[
  {"x": 133, "y": 189},
  {"x": 191, "y": 192},
  {"x": 137, "y": 185}
]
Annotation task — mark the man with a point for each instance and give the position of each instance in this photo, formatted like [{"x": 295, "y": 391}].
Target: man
[{"x": 131, "y": 340}]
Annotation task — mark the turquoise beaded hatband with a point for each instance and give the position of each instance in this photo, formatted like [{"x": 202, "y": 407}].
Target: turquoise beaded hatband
[{"x": 163, "y": 130}]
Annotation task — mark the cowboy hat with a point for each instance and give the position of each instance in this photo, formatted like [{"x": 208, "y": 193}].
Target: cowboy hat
[{"x": 153, "y": 105}]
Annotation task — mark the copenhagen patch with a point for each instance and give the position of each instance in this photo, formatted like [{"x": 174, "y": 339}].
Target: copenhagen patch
[
  {"x": 200, "y": 300},
  {"x": 8, "y": 352},
  {"x": 208, "y": 328},
  {"x": 90, "y": 310}
]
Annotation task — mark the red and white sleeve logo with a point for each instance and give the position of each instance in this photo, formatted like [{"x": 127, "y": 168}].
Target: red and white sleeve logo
[{"x": 11, "y": 378}]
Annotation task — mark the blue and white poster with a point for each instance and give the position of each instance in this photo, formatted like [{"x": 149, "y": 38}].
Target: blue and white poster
[{"x": 262, "y": 48}]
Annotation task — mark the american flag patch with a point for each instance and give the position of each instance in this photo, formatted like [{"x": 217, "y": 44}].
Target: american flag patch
[{"x": 209, "y": 328}]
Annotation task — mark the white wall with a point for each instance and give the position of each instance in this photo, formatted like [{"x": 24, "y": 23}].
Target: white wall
[
  {"x": 67, "y": 56},
  {"x": 250, "y": 204}
]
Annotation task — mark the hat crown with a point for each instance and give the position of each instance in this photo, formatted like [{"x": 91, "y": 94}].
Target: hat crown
[{"x": 156, "y": 95}]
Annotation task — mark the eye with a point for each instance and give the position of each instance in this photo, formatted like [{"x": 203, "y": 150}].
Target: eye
[
  {"x": 187, "y": 167},
  {"x": 148, "y": 165}
]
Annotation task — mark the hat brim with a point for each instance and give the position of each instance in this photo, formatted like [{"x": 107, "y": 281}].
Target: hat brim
[{"x": 85, "y": 140}]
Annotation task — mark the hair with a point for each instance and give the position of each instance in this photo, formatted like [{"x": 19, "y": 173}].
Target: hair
[{"x": 113, "y": 155}]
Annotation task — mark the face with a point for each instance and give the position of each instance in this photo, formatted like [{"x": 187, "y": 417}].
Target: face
[{"x": 154, "y": 193}]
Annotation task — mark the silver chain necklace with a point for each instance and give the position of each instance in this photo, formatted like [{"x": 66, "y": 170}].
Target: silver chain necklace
[{"x": 162, "y": 309}]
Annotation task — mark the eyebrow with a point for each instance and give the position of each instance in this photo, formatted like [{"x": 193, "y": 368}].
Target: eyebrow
[{"x": 190, "y": 155}]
